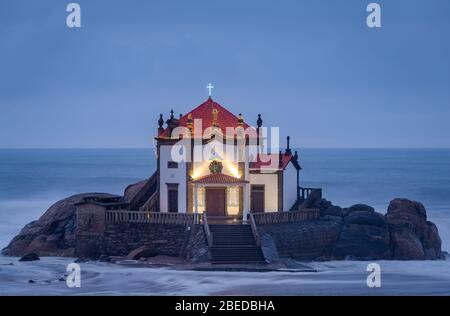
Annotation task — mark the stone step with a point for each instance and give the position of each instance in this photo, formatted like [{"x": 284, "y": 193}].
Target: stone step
[{"x": 234, "y": 244}]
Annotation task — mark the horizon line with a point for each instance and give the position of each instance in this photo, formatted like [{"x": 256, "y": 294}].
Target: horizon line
[{"x": 152, "y": 147}]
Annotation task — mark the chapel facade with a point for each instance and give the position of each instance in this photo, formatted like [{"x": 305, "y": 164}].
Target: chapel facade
[{"x": 211, "y": 161}]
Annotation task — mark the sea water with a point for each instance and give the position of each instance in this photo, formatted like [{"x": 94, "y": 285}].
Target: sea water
[{"x": 33, "y": 179}]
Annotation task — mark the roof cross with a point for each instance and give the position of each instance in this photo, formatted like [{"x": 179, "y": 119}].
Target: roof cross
[{"x": 210, "y": 87}]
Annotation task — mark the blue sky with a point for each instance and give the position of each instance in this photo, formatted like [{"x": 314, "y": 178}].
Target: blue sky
[{"x": 311, "y": 67}]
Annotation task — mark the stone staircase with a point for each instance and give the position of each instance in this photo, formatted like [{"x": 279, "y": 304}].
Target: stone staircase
[{"x": 234, "y": 244}]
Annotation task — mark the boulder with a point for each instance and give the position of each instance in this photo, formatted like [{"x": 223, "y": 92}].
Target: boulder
[
  {"x": 357, "y": 208},
  {"x": 413, "y": 237},
  {"x": 321, "y": 204},
  {"x": 432, "y": 242},
  {"x": 406, "y": 246},
  {"x": 53, "y": 234},
  {"x": 365, "y": 218},
  {"x": 30, "y": 257},
  {"x": 333, "y": 210},
  {"x": 364, "y": 236},
  {"x": 331, "y": 218},
  {"x": 142, "y": 252}
]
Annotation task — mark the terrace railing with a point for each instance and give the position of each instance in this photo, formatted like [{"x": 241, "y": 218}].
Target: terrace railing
[
  {"x": 286, "y": 217},
  {"x": 115, "y": 216},
  {"x": 304, "y": 193}
]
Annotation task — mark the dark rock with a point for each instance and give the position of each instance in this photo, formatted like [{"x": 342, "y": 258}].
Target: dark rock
[
  {"x": 432, "y": 242},
  {"x": 331, "y": 218},
  {"x": 362, "y": 242},
  {"x": 357, "y": 208},
  {"x": 30, "y": 257},
  {"x": 365, "y": 218},
  {"x": 406, "y": 246},
  {"x": 412, "y": 236},
  {"x": 53, "y": 234},
  {"x": 104, "y": 258},
  {"x": 321, "y": 204},
  {"x": 332, "y": 211},
  {"x": 364, "y": 236},
  {"x": 142, "y": 252}
]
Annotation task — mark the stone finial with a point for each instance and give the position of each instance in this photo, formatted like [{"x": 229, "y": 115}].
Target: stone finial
[
  {"x": 240, "y": 120},
  {"x": 171, "y": 114},
  {"x": 160, "y": 121},
  {"x": 259, "y": 121},
  {"x": 288, "y": 146},
  {"x": 160, "y": 124}
]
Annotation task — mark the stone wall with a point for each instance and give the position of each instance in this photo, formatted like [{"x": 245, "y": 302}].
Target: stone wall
[
  {"x": 302, "y": 240},
  {"x": 196, "y": 249},
  {"x": 166, "y": 239},
  {"x": 89, "y": 231},
  {"x": 96, "y": 237}
]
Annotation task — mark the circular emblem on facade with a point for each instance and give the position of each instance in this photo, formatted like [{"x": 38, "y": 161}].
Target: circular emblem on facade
[{"x": 215, "y": 167}]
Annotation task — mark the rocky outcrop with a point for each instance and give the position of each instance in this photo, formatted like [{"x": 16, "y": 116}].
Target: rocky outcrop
[
  {"x": 364, "y": 235},
  {"x": 357, "y": 208},
  {"x": 357, "y": 232},
  {"x": 402, "y": 234},
  {"x": 412, "y": 236},
  {"x": 53, "y": 234}
]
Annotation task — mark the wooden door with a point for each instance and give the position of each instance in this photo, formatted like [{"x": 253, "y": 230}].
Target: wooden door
[
  {"x": 215, "y": 201},
  {"x": 257, "y": 199},
  {"x": 173, "y": 200}
]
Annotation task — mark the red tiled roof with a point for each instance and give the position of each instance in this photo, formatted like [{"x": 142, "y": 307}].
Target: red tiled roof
[
  {"x": 218, "y": 178},
  {"x": 271, "y": 162},
  {"x": 204, "y": 112}
]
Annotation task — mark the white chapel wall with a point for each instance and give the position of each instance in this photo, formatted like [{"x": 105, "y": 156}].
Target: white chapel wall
[
  {"x": 270, "y": 182},
  {"x": 171, "y": 175},
  {"x": 200, "y": 169},
  {"x": 289, "y": 187}
]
